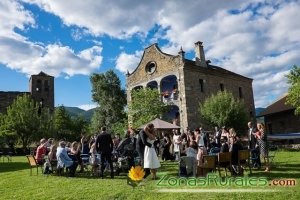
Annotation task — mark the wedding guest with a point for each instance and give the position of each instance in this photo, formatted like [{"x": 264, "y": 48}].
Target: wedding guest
[
  {"x": 150, "y": 157},
  {"x": 263, "y": 145},
  {"x": 177, "y": 144},
  {"x": 104, "y": 146},
  {"x": 63, "y": 160},
  {"x": 41, "y": 151},
  {"x": 75, "y": 151}
]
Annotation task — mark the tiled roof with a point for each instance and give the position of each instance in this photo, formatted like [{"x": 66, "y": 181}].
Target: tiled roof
[{"x": 277, "y": 106}]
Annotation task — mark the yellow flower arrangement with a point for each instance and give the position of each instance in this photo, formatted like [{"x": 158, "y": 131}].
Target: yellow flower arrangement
[{"x": 136, "y": 173}]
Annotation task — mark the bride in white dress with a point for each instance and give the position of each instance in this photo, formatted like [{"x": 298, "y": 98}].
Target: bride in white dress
[{"x": 150, "y": 157}]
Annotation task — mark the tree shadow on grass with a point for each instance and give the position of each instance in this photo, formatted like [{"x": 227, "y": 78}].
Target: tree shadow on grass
[
  {"x": 280, "y": 171},
  {"x": 13, "y": 166}
]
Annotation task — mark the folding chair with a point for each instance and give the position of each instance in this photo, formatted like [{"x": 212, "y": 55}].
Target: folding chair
[
  {"x": 32, "y": 163},
  {"x": 209, "y": 164},
  {"x": 244, "y": 160},
  {"x": 224, "y": 160},
  {"x": 85, "y": 160}
]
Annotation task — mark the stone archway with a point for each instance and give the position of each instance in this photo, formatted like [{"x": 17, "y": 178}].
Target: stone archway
[
  {"x": 169, "y": 88},
  {"x": 173, "y": 116},
  {"x": 152, "y": 85}
]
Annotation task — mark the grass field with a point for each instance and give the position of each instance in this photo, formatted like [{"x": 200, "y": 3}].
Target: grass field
[{"x": 16, "y": 183}]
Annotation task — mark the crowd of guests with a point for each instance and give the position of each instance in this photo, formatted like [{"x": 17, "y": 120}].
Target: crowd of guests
[
  {"x": 148, "y": 146},
  {"x": 198, "y": 143}
]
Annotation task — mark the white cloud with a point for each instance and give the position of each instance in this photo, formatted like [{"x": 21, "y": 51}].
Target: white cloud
[
  {"x": 128, "y": 62},
  {"x": 20, "y": 54},
  {"x": 87, "y": 106},
  {"x": 261, "y": 40},
  {"x": 253, "y": 38},
  {"x": 119, "y": 19},
  {"x": 248, "y": 43},
  {"x": 13, "y": 15}
]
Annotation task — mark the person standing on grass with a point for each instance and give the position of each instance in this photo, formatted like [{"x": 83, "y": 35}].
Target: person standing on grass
[
  {"x": 251, "y": 136},
  {"x": 140, "y": 147},
  {"x": 104, "y": 146},
  {"x": 84, "y": 145},
  {"x": 150, "y": 157},
  {"x": 263, "y": 145},
  {"x": 235, "y": 147},
  {"x": 177, "y": 144},
  {"x": 166, "y": 155},
  {"x": 201, "y": 146}
]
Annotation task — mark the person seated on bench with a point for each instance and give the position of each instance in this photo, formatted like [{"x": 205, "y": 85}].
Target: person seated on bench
[
  {"x": 63, "y": 160},
  {"x": 224, "y": 144}
]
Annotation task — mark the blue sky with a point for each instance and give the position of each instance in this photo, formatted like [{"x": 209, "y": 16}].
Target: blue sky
[{"x": 72, "y": 39}]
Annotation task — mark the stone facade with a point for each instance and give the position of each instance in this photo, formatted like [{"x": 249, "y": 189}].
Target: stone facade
[
  {"x": 6, "y": 99},
  {"x": 279, "y": 117},
  {"x": 41, "y": 88},
  {"x": 282, "y": 122},
  {"x": 194, "y": 81}
]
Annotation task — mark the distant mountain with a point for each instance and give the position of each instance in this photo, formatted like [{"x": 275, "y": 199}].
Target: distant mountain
[
  {"x": 89, "y": 113},
  {"x": 259, "y": 110},
  {"x": 75, "y": 111}
]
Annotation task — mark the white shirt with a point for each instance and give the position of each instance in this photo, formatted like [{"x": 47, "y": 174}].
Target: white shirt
[
  {"x": 250, "y": 132},
  {"x": 201, "y": 141}
]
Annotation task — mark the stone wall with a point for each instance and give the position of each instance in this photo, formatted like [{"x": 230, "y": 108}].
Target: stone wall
[
  {"x": 7, "y": 98},
  {"x": 188, "y": 75},
  {"x": 211, "y": 85},
  {"x": 165, "y": 64},
  {"x": 283, "y": 122}
]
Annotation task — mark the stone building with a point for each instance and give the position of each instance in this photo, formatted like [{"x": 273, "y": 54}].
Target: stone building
[
  {"x": 281, "y": 118},
  {"x": 184, "y": 83},
  {"x": 41, "y": 88}
]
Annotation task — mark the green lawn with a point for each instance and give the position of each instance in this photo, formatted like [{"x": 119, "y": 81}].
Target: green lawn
[{"x": 16, "y": 183}]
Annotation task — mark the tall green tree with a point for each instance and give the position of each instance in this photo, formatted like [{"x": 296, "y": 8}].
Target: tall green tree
[
  {"x": 62, "y": 124},
  {"x": 145, "y": 105},
  {"x": 27, "y": 121},
  {"x": 68, "y": 127},
  {"x": 222, "y": 109},
  {"x": 79, "y": 126},
  {"x": 111, "y": 98},
  {"x": 293, "y": 97}
]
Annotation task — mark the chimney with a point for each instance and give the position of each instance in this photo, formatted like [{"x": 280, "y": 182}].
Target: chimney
[
  {"x": 199, "y": 53},
  {"x": 181, "y": 53}
]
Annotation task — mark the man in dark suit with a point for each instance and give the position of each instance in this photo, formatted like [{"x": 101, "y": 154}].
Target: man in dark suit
[
  {"x": 141, "y": 143},
  {"x": 251, "y": 137},
  {"x": 104, "y": 146},
  {"x": 253, "y": 143}
]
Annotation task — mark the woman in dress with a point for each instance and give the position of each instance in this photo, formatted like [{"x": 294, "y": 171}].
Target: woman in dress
[
  {"x": 150, "y": 157},
  {"x": 177, "y": 144},
  {"x": 262, "y": 143},
  {"x": 201, "y": 146},
  {"x": 75, "y": 151},
  {"x": 166, "y": 147}
]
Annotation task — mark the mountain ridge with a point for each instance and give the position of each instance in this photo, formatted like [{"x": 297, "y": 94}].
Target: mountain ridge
[{"x": 75, "y": 112}]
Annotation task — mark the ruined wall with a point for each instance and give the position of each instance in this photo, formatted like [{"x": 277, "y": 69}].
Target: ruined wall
[{"x": 7, "y": 98}]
